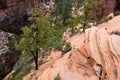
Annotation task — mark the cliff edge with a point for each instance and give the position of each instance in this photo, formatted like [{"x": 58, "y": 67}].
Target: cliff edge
[{"x": 95, "y": 56}]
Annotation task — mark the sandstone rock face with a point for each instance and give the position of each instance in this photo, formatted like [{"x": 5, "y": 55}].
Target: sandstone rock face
[{"x": 95, "y": 56}]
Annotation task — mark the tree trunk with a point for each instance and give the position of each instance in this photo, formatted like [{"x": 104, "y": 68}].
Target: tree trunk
[
  {"x": 100, "y": 76},
  {"x": 84, "y": 27},
  {"x": 72, "y": 29},
  {"x": 36, "y": 60}
]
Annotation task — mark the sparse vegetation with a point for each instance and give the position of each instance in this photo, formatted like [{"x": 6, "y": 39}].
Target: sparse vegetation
[
  {"x": 67, "y": 48},
  {"x": 104, "y": 19},
  {"x": 22, "y": 70}
]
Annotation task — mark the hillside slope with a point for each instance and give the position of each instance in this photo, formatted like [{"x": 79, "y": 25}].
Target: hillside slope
[{"x": 95, "y": 55}]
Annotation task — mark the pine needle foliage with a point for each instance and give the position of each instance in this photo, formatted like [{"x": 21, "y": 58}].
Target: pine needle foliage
[
  {"x": 57, "y": 77},
  {"x": 63, "y": 11},
  {"x": 36, "y": 36}
]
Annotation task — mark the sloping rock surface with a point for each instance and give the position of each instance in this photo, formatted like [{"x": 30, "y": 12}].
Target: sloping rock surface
[{"x": 95, "y": 56}]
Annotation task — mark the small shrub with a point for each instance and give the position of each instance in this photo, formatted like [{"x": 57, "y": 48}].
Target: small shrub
[
  {"x": 64, "y": 47},
  {"x": 57, "y": 39},
  {"x": 116, "y": 13},
  {"x": 14, "y": 74},
  {"x": 59, "y": 47},
  {"x": 51, "y": 66},
  {"x": 67, "y": 48},
  {"x": 19, "y": 73},
  {"x": 104, "y": 19},
  {"x": 57, "y": 77},
  {"x": 74, "y": 31},
  {"x": 7, "y": 71}
]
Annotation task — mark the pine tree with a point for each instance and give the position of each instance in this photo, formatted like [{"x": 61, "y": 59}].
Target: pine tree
[
  {"x": 89, "y": 10},
  {"x": 63, "y": 10},
  {"x": 36, "y": 36}
]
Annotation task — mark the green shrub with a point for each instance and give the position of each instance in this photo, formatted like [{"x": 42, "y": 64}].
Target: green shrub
[
  {"x": 56, "y": 41},
  {"x": 104, "y": 19},
  {"x": 116, "y": 13},
  {"x": 57, "y": 77},
  {"x": 7, "y": 71},
  {"x": 14, "y": 74},
  {"x": 19, "y": 73},
  {"x": 58, "y": 47},
  {"x": 67, "y": 48}
]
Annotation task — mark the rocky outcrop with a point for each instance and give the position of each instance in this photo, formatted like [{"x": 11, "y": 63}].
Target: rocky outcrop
[
  {"x": 13, "y": 22},
  {"x": 14, "y": 17},
  {"x": 95, "y": 56},
  {"x": 8, "y": 54}
]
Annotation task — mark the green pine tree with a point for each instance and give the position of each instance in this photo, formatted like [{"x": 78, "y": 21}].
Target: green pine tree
[
  {"x": 63, "y": 10},
  {"x": 36, "y": 36},
  {"x": 89, "y": 9}
]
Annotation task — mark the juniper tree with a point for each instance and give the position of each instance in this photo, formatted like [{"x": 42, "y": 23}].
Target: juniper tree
[{"x": 36, "y": 36}]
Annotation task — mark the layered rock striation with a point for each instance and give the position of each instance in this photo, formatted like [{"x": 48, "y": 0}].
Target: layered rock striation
[{"x": 95, "y": 56}]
